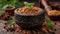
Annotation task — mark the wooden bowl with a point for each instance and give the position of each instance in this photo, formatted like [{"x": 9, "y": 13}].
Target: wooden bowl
[
  {"x": 29, "y": 21},
  {"x": 10, "y": 10}
]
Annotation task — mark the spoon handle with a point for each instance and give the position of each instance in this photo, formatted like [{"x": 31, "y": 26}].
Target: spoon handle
[{"x": 47, "y": 7}]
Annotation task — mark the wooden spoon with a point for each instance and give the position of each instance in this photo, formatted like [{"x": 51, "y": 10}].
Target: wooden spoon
[{"x": 47, "y": 7}]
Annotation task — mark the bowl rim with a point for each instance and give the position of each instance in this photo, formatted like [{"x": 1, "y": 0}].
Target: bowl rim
[
  {"x": 11, "y": 8},
  {"x": 42, "y": 11}
]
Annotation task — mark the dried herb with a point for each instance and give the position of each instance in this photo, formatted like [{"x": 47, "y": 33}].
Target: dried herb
[
  {"x": 49, "y": 23},
  {"x": 10, "y": 22},
  {"x": 28, "y": 5}
]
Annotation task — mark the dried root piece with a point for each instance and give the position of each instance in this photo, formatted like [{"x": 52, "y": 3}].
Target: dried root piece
[{"x": 45, "y": 28}]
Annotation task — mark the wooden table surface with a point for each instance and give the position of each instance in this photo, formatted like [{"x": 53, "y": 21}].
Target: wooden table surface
[{"x": 3, "y": 31}]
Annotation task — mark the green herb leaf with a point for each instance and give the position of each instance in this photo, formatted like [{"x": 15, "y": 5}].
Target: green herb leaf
[
  {"x": 10, "y": 22},
  {"x": 49, "y": 23},
  {"x": 5, "y": 6},
  {"x": 28, "y": 5},
  {"x": 5, "y": 3},
  {"x": 18, "y": 4}
]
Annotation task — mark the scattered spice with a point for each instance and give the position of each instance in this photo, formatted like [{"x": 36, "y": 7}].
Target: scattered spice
[
  {"x": 55, "y": 24},
  {"x": 5, "y": 16},
  {"x": 17, "y": 28},
  {"x": 55, "y": 30}
]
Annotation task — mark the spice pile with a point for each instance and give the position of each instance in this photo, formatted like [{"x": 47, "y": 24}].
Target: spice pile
[
  {"x": 33, "y": 10},
  {"x": 54, "y": 13}
]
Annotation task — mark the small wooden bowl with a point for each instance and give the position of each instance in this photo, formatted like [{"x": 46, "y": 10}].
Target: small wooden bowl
[
  {"x": 55, "y": 18},
  {"x": 10, "y": 10},
  {"x": 54, "y": 15}
]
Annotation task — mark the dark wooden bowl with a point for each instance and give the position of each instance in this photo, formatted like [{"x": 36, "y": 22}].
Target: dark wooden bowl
[
  {"x": 29, "y": 21},
  {"x": 10, "y": 10},
  {"x": 55, "y": 18}
]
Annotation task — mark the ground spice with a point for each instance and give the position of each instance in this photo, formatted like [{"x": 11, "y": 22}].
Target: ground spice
[
  {"x": 33, "y": 10},
  {"x": 54, "y": 13}
]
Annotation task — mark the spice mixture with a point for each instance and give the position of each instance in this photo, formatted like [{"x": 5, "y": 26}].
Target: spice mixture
[{"x": 33, "y": 10}]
